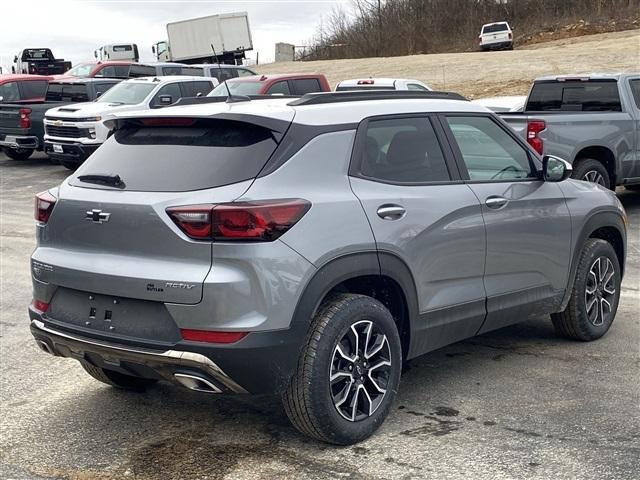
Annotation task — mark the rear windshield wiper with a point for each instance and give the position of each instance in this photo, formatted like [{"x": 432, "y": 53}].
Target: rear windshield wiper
[{"x": 103, "y": 179}]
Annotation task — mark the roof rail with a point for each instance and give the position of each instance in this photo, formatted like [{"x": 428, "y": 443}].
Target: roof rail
[
  {"x": 221, "y": 99},
  {"x": 363, "y": 95}
]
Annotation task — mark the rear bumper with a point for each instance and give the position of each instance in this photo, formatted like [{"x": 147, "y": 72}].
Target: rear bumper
[
  {"x": 19, "y": 141},
  {"x": 496, "y": 45},
  {"x": 259, "y": 363},
  {"x": 71, "y": 152}
]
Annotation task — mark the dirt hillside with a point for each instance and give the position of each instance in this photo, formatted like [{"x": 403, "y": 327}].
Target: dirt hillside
[{"x": 481, "y": 74}]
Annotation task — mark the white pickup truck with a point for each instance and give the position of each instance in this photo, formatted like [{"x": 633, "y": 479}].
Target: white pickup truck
[{"x": 73, "y": 132}]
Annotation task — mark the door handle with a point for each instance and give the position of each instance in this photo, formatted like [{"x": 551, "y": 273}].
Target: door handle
[
  {"x": 391, "y": 212},
  {"x": 496, "y": 202}
]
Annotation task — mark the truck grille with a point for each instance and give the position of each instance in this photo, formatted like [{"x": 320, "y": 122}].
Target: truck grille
[{"x": 67, "y": 132}]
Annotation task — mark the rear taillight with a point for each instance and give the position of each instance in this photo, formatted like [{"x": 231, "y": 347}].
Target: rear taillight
[
  {"x": 210, "y": 336},
  {"x": 44, "y": 206},
  {"x": 510, "y": 35},
  {"x": 366, "y": 82},
  {"x": 25, "y": 121},
  {"x": 534, "y": 127},
  {"x": 241, "y": 221},
  {"x": 39, "y": 305}
]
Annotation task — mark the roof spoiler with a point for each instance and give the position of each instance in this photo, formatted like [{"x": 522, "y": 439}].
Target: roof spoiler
[{"x": 222, "y": 99}]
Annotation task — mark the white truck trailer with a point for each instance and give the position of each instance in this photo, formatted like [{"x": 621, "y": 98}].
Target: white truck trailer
[{"x": 190, "y": 41}]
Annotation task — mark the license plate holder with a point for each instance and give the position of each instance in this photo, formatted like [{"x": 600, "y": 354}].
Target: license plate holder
[{"x": 57, "y": 148}]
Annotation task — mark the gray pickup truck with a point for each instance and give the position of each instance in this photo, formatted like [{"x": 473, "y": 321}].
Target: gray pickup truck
[
  {"x": 22, "y": 124},
  {"x": 592, "y": 121}
]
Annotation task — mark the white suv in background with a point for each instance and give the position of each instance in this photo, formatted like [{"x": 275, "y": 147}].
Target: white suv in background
[
  {"x": 495, "y": 36},
  {"x": 73, "y": 132},
  {"x": 382, "y": 84}
]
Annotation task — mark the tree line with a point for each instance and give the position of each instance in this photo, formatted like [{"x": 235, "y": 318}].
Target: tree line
[{"x": 409, "y": 27}]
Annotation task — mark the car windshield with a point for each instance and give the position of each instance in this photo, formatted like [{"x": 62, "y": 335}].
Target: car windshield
[
  {"x": 237, "y": 88},
  {"x": 497, "y": 27},
  {"x": 127, "y": 93},
  {"x": 82, "y": 70}
]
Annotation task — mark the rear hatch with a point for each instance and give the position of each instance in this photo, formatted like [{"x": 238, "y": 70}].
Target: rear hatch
[
  {"x": 109, "y": 232},
  {"x": 496, "y": 33}
]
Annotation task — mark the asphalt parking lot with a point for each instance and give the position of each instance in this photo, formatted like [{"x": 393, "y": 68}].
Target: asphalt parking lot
[{"x": 516, "y": 403}]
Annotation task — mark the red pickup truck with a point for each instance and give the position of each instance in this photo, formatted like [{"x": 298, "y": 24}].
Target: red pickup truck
[
  {"x": 106, "y": 69},
  {"x": 284, "y": 84},
  {"x": 22, "y": 88}
]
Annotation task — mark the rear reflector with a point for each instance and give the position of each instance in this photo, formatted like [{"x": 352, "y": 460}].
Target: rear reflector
[
  {"x": 534, "y": 127},
  {"x": 39, "y": 305},
  {"x": 209, "y": 336},
  {"x": 241, "y": 221},
  {"x": 44, "y": 204}
]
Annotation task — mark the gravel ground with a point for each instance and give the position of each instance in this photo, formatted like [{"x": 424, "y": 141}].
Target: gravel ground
[
  {"x": 516, "y": 403},
  {"x": 484, "y": 74}
]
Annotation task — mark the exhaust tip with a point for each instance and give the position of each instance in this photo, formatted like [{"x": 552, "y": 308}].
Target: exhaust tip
[
  {"x": 196, "y": 383},
  {"x": 44, "y": 346}
]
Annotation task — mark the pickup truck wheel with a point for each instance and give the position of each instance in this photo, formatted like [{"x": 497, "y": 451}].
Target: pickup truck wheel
[
  {"x": 593, "y": 171},
  {"x": 18, "y": 153},
  {"x": 595, "y": 295},
  {"x": 117, "y": 379},
  {"x": 348, "y": 371}
]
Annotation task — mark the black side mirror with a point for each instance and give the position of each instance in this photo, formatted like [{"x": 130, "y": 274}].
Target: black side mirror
[
  {"x": 153, "y": 48},
  {"x": 555, "y": 169},
  {"x": 98, "y": 94},
  {"x": 166, "y": 99},
  {"x": 15, "y": 59}
]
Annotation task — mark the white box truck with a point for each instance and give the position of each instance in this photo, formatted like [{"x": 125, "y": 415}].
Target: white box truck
[{"x": 189, "y": 41}]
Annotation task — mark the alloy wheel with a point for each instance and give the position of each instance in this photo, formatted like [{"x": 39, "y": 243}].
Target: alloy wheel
[
  {"x": 600, "y": 291},
  {"x": 594, "y": 176},
  {"x": 360, "y": 371}
]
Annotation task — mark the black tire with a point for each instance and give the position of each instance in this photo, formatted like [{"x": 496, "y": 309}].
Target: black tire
[
  {"x": 18, "y": 153},
  {"x": 588, "y": 169},
  {"x": 70, "y": 165},
  {"x": 310, "y": 396},
  {"x": 632, "y": 188},
  {"x": 117, "y": 379},
  {"x": 577, "y": 320}
]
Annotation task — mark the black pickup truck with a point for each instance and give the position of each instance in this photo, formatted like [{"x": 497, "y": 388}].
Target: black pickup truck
[
  {"x": 39, "y": 61},
  {"x": 22, "y": 126}
]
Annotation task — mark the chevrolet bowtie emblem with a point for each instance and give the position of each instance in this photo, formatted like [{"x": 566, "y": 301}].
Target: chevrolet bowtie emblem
[
  {"x": 58, "y": 123},
  {"x": 97, "y": 216}
]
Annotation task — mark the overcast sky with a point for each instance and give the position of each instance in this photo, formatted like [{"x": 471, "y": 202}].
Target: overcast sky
[{"x": 74, "y": 29}]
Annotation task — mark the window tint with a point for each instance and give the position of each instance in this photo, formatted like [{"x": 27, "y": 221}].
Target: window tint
[
  {"x": 403, "y": 150},
  {"x": 243, "y": 72},
  {"x": 192, "y": 89},
  {"x": 205, "y": 154},
  {"x": 171, "y": 70},
  {"x": 101, "y": 88},
  {"x": 498, "y": 27},
  {"x": 34, "y": 89},
  {"x": 114, "y": 71},
  {"x": 281, "y": 88},
  {"x": 588, "y": 96},
  {"x": 306, "y": 85},
  {"x": 222, "y": 74},
  {"x": 141, "y": 71},
  {"x": 173, "y": 89},
  {"x": 416, "y": 86},
  {"x": 489, "y": 152},
  {"x": 9, "y": 92},
  {"x": 194, "y": 71},
  {"x": 69, "y": 92},
  {"x": 635, "y": 90}
]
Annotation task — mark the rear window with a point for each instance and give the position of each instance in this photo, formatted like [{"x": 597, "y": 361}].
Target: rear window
[
  {"x": 136, "y": 71},
  {"x": 498, "y": 27},
  {"x": 575, "y": 96},
  {"x": 194, "y": 71},
  {"x": 206, "y": 153},
  {"x": 237, "y": 88},
  {"x": 70, "y": 92},
  {"x": 34, "y": 88}
]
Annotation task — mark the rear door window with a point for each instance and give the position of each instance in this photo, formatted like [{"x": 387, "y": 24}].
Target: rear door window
[
  {"x": 194, "y": 154},
  {"x": 192, "y": 89},
  {"x": 9, "y": 92},
  {"x": 194, "y": 71},
  {"x": 306, "y": 85},
  {"x": 142, "y": 71},
  {"x": 173, "y": 90},
  {"x": 171, "y": 70},
  {"x": 243, "y": 72},
  {"x": 635, "y": 90},
  {"x": 575, "y": 96},
  {"x": 34, "y": 89},
  {"x": 71, "y": 92},
  {"x": 114, "y": 71},
  {"x": 279, "y": 88}
]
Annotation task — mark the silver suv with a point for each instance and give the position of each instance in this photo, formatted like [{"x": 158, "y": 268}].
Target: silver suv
[{"x": 309, "y": 247}]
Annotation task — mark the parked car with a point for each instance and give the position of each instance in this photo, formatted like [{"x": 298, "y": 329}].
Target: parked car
[
  {"x": 219, "y": 72},
  {"x": 105, "y": 69},
  {"x": 382, "y": 84},
  {"x": 39, "y": 61},
  {"x": 494, "y": 36},
  {"x": 283, "y": 84},
  {"x": 74, "y": 132},
  {"x": 507, "y": 103},
  {"x": 592, "y": 121},
  {"x": 118, "y": 51},
  {"x": 309, "y": 247},
  {"x": 160, "y": 69},
  {"x": 21, "y": 124},
  {"x": 16, "y": 88}
]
